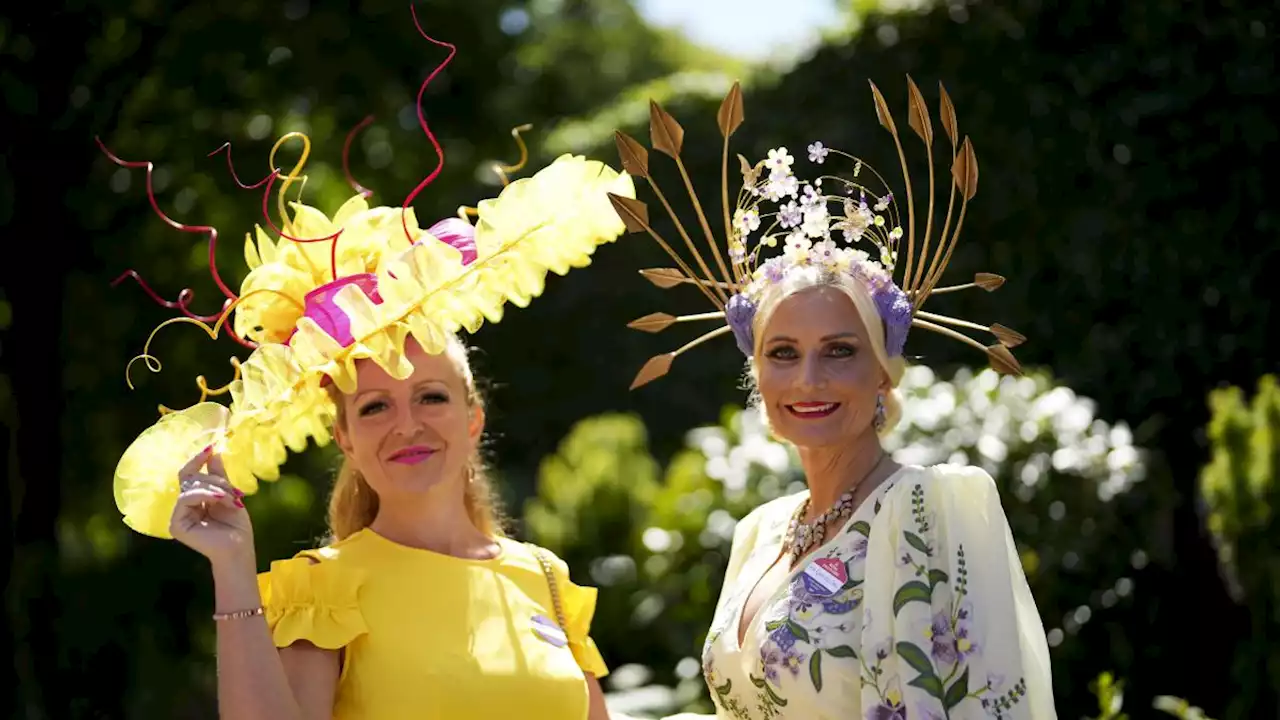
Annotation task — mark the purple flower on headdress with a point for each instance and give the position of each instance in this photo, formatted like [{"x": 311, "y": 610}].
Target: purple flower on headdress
[
  {"x": 739, "y": 313},
  {"x": 895, "y": 310}
]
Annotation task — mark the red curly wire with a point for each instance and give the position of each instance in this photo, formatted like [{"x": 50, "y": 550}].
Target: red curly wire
[
  {"x": 232, "y": 168},
  {"x": 266, "y": 213},
  {"x": 422, "y": 122},
  {"x": 187, "y": 295},
  {"x": 346, "y": 158}
]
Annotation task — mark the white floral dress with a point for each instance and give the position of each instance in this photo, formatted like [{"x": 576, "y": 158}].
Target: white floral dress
[{"x": 917, "y": 608}]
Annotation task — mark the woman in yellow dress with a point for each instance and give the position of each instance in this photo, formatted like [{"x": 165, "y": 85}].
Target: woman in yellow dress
[
  {"x": 419, "y": 607},
  {"x": 883, "y": 591}
]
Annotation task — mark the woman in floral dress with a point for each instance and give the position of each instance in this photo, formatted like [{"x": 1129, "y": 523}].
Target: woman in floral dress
[{"x": 883, "y": 591}]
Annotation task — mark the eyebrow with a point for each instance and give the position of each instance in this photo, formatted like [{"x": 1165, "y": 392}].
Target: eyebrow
[
  {"x": 825, "y": 338},
  {"x": 417, "y": 386}
]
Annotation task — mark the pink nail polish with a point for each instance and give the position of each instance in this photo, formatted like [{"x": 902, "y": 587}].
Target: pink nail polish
[
  {"x": 239, "y": 493},
  {"x": 238, "y": 503}
]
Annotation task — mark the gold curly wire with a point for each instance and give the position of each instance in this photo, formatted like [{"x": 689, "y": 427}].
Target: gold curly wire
[
  {"x": 295, "y": 175},
  {"x": 207, "y": 392},
  {"x": 502, "y": 170}
]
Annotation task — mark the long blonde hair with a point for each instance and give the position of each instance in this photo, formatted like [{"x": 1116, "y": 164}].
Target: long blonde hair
[
  {"x": 800, "y": 279},
  {"x": 353, "y": 504}
]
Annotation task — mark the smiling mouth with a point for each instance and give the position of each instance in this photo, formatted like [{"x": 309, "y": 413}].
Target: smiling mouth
[
  {"x": 812, "y": 410},
  {"x": 412, "y": 455}
]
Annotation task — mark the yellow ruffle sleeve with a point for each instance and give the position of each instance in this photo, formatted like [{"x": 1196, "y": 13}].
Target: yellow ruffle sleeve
[
  {"x": 312, "y": 601},
  {"x": 579, "y": 604}
]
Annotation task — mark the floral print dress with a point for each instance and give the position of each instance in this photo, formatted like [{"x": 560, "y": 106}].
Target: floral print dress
[{"x": 916, "y": 608}]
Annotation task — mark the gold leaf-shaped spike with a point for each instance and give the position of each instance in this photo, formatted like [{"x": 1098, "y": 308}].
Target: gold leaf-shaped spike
[
  {"x": 965, "y": 170},
  {"x": 656, "y": 367},
  {"x": 634, "y": 213},
  {"x": 882, "y": 110},
  {"x": 635, "y": 158},
  {"x": 988, "y": 281},
  {"x": 655, "y": 322},
  {"x": 947, "y": 112},
  {"x": 731, "y": 113},
  {"x": 918, "y": 113},
  {"x": 1002, "y": 361},
  {"x": 1008, "y": 337},
  {"x": 663, "y": 277},
  {"x": 665, "y": 134}
]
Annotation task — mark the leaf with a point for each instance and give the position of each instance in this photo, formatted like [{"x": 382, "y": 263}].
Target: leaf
[
  {"x": 947, "y": 112},
  {"x": 915, "y": 657},
  {"x": 1003, "y": 361},
  {"x": 862, "y": 527},
  {"x": 634, "y": 213},
  {"x": 842, "y": 651},
  {"x": 918, "y": 113},
  {"x": 916, "y": 542},
  {"x": 772, "y": 625},
  {"x": 958, "y": 691},
  {"x": 1007, "y": 336},
  {"x": 914, "y": 591},
  {"x": 798, "y": 630},
  {"x": 656, "y": 367},
  {"x": 665, "y": 133},
  {"x": 937, "y": 577},
  {"x": 634, "y": 156},
  {"x": 653, "y": 322},
  {"x": 731, "y": 112},
  {"x": 757, "y": 681},
  {"x": 988, "y": 281},
  {"x": 928, "y": 683},
  {"x": 882, "y": 110},
  {"x": 965, "y": 170},
  {"x": 815, "y": 669},
  {"x": 663, "y": 277},
  {"x": 749, "y": 172},
  {"x": 773, "y": 696}
]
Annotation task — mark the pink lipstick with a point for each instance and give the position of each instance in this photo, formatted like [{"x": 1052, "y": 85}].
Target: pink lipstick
[{"x": 412, "y": 455}]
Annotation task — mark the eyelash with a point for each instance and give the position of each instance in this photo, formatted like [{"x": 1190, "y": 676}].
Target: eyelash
[
  {"x": 847, "y": 350},
  {"x": 431, "y": 398}
]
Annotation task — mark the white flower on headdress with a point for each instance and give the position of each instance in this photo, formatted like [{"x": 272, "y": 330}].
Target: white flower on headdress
[
  {"x": 811, "y": 197},
  {"x": 798, "y": 247},
  {"x": 737, "y": 251},
  {"x": 780, "y": 185},
  {"x": 746, "y": 222},
  {"x": 888, "y": 257},
  {"x": 816, "y": 222},
  {"x": 789, "y": 215},
  {"x": 818, "y": 153},
  {"x": 883, "y": 203},
  {"x": 896, "y": 233},
  {"x": 824, "y": 252},
  {"x": 779, "y": 159},
  {"x": 857, "y": 168}
]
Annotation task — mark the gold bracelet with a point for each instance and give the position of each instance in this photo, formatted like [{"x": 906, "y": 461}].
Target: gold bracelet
[{"x": 238, "y": 614}]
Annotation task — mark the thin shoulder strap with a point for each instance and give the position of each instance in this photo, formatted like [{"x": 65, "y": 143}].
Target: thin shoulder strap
[{"x": 545, "y": 562}]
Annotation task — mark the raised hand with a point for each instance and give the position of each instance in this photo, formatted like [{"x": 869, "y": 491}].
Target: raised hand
[{"x": 210, "y": 517}]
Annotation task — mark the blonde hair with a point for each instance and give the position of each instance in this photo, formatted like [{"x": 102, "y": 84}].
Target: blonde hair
[
  {"x": 353, "y": 504},
  {"x": 807, "y": 278}
]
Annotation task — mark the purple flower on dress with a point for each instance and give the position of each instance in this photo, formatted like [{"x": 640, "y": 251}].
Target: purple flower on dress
[
  {"x": 739, "y": 313},
  {"x": 944, "y": 643},
  {"x": 886, "y": 711},
  {"x": 859, "y": 548},
  {"x": 782, "y": 638}
]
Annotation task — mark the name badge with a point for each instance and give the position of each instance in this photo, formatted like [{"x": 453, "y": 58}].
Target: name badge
[
  {"x": 825, "y": 576},
  {"x": 547, "y": 629}
]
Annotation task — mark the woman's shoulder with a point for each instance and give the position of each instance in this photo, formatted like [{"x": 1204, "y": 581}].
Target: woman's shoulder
[{"x": 940, "y": 481}]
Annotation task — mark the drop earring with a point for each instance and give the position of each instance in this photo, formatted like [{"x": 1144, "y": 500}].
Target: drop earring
[{"x": 879, "y": 420}]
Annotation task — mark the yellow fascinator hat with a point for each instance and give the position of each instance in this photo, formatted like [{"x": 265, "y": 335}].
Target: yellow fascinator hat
[{"x": 325, "y": 291}]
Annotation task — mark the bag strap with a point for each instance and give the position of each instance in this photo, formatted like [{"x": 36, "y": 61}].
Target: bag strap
[{"x": 545, "y": 562}]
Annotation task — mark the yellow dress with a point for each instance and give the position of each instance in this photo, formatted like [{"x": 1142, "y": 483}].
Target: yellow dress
[{"x": 430, "y": 636}]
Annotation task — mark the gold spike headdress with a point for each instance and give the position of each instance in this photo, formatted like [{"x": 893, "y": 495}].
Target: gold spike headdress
[{"x": 816, "y": 227}]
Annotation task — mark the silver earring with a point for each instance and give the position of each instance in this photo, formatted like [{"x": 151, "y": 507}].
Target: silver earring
[{"x": 879, "y": 420}]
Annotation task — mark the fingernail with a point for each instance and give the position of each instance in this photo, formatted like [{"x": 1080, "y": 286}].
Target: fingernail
[
  {"x": 239, "y": 493},
  {"x": 238, "y": 503},
  {"x": 207, "y": 450}
]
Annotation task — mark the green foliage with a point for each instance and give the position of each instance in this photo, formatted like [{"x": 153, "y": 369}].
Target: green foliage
[
  {"x": 1241, "y": 488},
  {"x": 1110, "y": 694},
  {"x": 1070, "y": 484}
]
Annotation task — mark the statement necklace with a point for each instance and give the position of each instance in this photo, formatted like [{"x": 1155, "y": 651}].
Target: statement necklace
[{"x": 804, "y": 536}]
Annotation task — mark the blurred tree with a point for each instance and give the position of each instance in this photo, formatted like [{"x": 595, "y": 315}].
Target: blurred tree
[{"x": 1241, "y": 490}]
